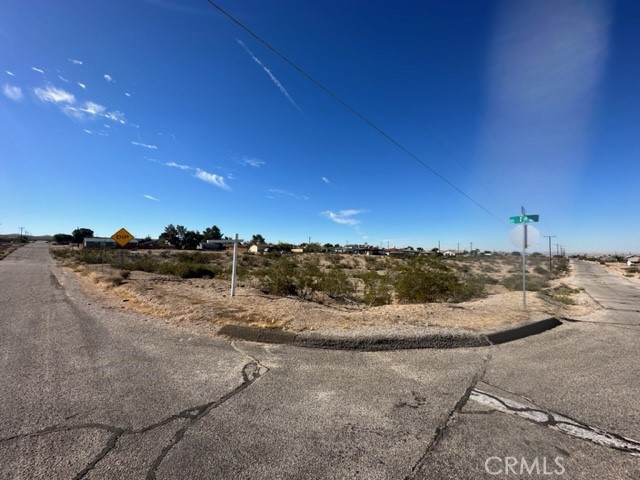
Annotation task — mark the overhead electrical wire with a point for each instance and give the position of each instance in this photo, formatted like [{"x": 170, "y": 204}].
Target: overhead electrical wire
[{"x": 354, "y": 111}]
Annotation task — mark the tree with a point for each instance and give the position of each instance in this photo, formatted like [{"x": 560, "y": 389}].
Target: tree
[
  {"x": 170, "y": 236},
  {"x": 181, "y": 232},
  {"x": 313, "y": 248},
  {"x": 62, "y": 238},
  {"x": 79, "y": 234},
  {"x": 212, "y": 233},
  {"x": 191, "y": 239},
  {"x": 257, "y": 239}
]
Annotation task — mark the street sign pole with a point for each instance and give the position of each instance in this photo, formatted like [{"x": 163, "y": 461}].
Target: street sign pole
[
  {"x": 525, "y": 219},
  {"x": 233, "y": 268},
  {"x": 524, "y": 264},
  {"x": 122, "y": 237}
]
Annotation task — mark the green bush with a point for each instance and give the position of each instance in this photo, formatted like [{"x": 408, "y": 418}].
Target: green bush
[
  {"x": 533, "y": 283},
  {"x": 142, "y": 264},
  {"x": 377, "y": 289},
  {"x": 187, "y": 270},
  {"x": 279, "y": 278},
  {"x": 337, "y": 284},
  {"x": 193, "y": 257},
  {"x": 415, "y": 285},
  {"x": 472, "y": 287},
  {"x": 307, "y": 279},
  {"x": 540, "y": 270}
]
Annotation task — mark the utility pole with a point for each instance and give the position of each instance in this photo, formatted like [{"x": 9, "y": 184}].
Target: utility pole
[
  {"x": 557, "y": 249},
  {"x": 550, "y": 256},
  {"x": 458, "y": 248},
  {"x": 470, "y": 248},
  {"x": 438, "y": 246},
  {"x": 21, "y": 229}
]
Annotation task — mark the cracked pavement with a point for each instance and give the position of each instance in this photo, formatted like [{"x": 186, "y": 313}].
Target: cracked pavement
[{"x": 92, "y": 392}]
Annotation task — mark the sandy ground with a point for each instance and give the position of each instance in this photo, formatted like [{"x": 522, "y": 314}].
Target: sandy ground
[
  {"x": 623, "y": 270},
  {"x": 207, "y": 303}
]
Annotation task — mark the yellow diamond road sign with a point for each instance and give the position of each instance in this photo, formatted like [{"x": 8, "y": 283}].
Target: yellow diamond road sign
[{"x": 122, "y": 237}]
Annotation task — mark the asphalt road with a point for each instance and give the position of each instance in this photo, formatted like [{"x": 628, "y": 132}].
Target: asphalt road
[{"x": 97, "y": 393}]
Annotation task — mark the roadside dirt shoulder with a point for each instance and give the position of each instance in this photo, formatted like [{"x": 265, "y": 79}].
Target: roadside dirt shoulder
[{"x": 207, "y": 302}]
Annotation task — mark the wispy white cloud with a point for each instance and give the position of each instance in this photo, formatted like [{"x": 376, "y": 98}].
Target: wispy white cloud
[
  {"x": 151, "y": 197},
  {"x": 82, "y": 85},
  {"x": 93, "y": 109},
  {"x": 11, "y": 74},
  {"x": 75, "y": 62},
  {"x": 325, "y": 180},
  {"x": 127, "y": 94},
  {"x": 63, "y": 79},
  {"x": 285, "y": 193},
  {"x": 36, "y": 69},
  {"x": 273, "y": 78},
  {"x": 211, "y": 178},
  {"x": 54, "y": 95},
  {"x": 145, "y": 145},
  {"x": 178, "y": 166},
  {"x": 251, "y": 162},
  {"x": 12, "y": 92},
  {"x": 116, "y": 116},
  {"x": 343, "y": 217},
  {"x": 108, "y": 77}
]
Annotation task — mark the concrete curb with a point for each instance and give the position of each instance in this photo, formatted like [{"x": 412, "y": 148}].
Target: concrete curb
[{"x": 375, "y": 342}]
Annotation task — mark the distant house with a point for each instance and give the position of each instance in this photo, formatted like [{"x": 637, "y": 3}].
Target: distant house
[
  {"x": 449, "y": 253},
  {"x": 214, "y": 245},
  {"x": 633, "y": 261},
  {"x": 262, "y": 248},
  {"x": 99, "y": 243},
  {"x": 368, "y": 250},
  {"x": 399, "y": 252}
]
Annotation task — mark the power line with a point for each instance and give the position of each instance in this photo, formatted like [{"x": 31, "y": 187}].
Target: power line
[{"x": 346, "y": 105}]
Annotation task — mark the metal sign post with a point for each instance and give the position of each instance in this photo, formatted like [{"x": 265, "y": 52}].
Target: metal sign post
[
  {"x": 233, "y": 267},
  {"x": 524, "y": 265},
  {"x": 525, "y": 219},
  {"x": 122, "y": 237}
]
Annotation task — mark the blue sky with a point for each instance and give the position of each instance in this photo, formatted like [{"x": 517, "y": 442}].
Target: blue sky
[{"x": 141, "y": 113}]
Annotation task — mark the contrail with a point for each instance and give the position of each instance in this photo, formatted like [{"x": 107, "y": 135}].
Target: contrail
[{"x": 271, "y": 75}]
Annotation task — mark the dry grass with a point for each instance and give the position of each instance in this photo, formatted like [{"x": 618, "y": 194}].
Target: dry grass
[{"x": 208, "y": 301}]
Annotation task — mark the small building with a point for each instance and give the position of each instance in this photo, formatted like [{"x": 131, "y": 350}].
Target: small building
[
  {"x": 262, "y": 248},
  {"x": 399, "y": 252},
  {"x": 449, "y": 253},
  {"x": 98, "y": 242},
  {"x": 631, "y": 261},
  {"x": 214, "y": 245}
]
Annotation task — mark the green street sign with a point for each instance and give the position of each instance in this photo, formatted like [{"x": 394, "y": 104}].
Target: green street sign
[{"x": 524, "y": 219}]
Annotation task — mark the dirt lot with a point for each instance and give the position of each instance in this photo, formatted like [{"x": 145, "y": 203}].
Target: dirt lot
[
  {"x": 6, "y": 248},
  {"x": 632, "y": 273},
  {"x": 207, "y": 302}
]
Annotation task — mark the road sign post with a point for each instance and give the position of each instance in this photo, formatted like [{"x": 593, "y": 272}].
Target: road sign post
[
  {"x": 524, "y": 220},
  {"x": 122, "y": 237},
  {"x": 233, "y": 267}
]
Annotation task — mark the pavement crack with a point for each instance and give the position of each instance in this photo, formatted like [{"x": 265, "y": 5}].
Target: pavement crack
[
  {"x": 63, "y": 428},
  {"x": 250, "y": 373},
  {"x": 103, "y": 453},
  {"x": 459, "y": 405},
  {"x": 556, "y": 421},
  {"x": 255, "y": 360}
]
